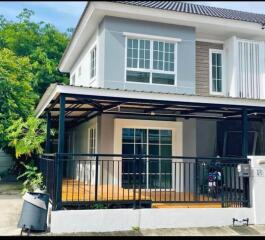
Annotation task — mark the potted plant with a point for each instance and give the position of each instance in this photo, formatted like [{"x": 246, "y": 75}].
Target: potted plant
[{"x": 33, "y": 179}]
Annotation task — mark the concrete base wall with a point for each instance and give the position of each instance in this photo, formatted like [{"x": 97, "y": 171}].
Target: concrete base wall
[{"x": 107, "y": 220}]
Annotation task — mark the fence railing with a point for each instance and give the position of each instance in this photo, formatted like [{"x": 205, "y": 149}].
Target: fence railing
[
  {"x": 140, "y": 180},
  {"x": 46, "y": 164}
]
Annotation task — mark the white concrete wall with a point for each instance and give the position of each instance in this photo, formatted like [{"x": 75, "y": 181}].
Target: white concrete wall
[
  {"x": 257, "y": 187},
  {"x": 78, "y": 142},
  {"x": 107, "y": 220},
  {"x": 83, "y": 61}
]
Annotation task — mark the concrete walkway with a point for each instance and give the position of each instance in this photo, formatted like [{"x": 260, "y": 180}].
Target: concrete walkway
[
  {"x": 11, "y": 206},
  {"x": 250, "y": 230}
]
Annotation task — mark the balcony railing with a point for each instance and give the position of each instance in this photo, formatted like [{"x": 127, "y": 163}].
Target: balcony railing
[{"x": 83, "y": 180}]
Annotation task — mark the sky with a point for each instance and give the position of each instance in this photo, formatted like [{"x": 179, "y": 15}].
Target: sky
[{"x": 66, "y": 14}]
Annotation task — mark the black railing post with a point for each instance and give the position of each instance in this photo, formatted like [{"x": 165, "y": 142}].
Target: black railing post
[
  {"x": 196, "y": 180},
  {"x": 222, "y": 187},
  {"x": 246, "y": 196},
  {"x": 96, "y": 180},
  {"x": 59, "y": 157},
  {"x": 245, "y": 153},
  {"x": 48, "y": 134},
  {"x": 134, "y": 182},
  {"x": 140, "y": 180},
  {"x": 58, "y": 182}
]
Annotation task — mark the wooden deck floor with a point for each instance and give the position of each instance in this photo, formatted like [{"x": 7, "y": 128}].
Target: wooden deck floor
[{"x": 73, "y": 190}]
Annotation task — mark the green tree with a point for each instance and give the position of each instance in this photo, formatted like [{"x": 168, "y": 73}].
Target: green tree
[
  {"x": 17, "y": 97},
  {"x": 41, "y": 42},
  {"x": 27, "y": 136}
]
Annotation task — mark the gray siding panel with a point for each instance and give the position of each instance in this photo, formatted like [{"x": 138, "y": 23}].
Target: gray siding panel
[
  {"x": 202, "y": 66},
  {"x": 114, "y": 57}
]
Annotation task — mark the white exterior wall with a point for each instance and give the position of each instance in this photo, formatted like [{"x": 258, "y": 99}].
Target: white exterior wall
[
  {"x": 84, "y": 61},
  {"x": 78, "y": 143},
  {"x": 108, "y": 220},
  {"x": 109, "y": 135},
  {"x": 257, "y": 184},
  {"x": 190, "y": 138}
]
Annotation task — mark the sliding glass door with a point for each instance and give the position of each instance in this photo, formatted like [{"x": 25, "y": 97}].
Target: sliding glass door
[{"x": 155, "y": 170}]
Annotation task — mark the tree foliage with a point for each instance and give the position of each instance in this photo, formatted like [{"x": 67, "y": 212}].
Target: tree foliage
[
  {"x": 41, "y": 42},
  {"x": 29, "y": 56},
  {"x": 16, "y": 94},
  {"x": 27, "y": 136}
]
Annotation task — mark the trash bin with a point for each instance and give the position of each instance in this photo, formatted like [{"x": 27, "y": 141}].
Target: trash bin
[{"x": 34, "y": 212}]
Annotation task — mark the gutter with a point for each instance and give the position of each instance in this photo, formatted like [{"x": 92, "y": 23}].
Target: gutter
[{"x": 49, "y": 94}]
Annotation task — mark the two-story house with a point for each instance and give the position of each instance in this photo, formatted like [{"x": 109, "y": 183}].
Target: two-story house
[{"x": 165, "y": 100}]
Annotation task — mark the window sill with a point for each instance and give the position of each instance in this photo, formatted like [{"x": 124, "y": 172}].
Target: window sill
[{"x": 152, "y": 84}]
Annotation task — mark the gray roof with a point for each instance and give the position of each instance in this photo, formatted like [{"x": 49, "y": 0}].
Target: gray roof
[{"x": 185, "y": 7}]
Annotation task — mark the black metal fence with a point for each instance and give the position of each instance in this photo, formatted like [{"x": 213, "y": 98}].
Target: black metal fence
[
  {"x": 140, "y": 181},
  {"x": 46, "y": 164}
]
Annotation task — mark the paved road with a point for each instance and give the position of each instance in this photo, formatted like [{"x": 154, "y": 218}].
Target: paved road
[{"x": 11, "y": 205}]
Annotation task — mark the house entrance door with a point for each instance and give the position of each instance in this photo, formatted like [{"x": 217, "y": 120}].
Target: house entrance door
[{"x": 156, "y": 170}]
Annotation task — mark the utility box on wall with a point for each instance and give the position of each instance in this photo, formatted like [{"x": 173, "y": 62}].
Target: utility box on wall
[{"x": 243, "y": 170}]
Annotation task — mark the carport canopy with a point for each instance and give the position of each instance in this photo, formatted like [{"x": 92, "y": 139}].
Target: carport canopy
[
  {"x": 73, "y": 105},
  {"x": 83, "y": 103}
]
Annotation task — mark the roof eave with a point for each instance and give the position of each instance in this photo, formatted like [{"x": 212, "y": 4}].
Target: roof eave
[{"x": 62, "y": 60}]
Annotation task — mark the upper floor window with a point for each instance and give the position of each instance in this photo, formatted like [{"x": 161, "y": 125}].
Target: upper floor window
[
  {"x": 216, "y": 71},
  {"x": 151, "y": 61},
  {"x": 93, "y": 54}
]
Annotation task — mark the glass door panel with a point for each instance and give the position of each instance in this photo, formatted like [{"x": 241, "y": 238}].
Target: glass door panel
[{"x": 155, "y": 172}]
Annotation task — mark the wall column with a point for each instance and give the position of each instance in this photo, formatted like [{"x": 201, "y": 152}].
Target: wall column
[{"x": 257, "y": 193}]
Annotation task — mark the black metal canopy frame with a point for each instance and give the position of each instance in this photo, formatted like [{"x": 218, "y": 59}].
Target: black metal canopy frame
[
  {"x": 70, "y": 110},
  {"x": 74, "y": 109}
]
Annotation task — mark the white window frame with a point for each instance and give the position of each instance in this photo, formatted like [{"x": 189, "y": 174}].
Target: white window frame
[
  {"x": 151, "y": 38},
  {"x": 175, "y": 127},
  {"x": 93, "y": 48},
  {"x": 219, "y": 51},
  {"x": 94, "y": 142}
]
